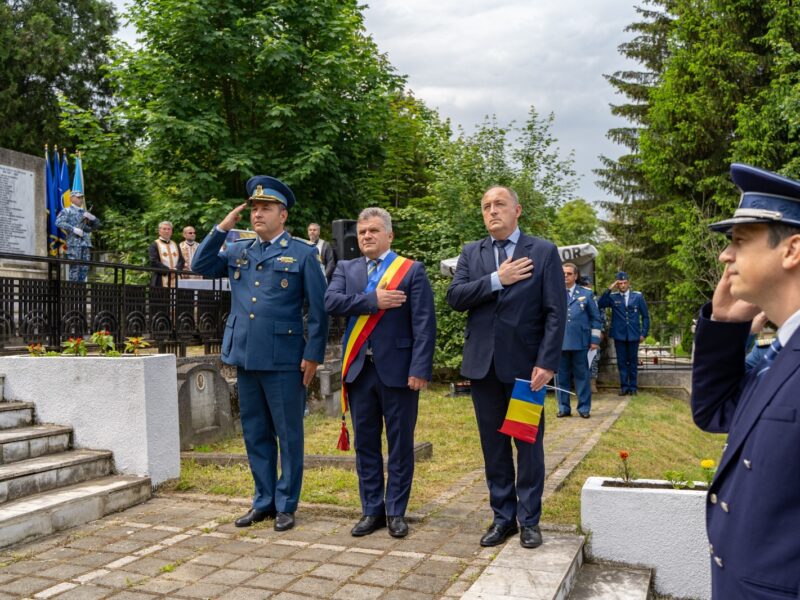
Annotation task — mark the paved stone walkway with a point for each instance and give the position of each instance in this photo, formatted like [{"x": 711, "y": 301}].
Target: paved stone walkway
[{"x": 182, "y": 546}]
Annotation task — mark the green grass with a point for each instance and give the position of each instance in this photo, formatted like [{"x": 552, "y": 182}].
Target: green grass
[{"x": 659, "y": 435}]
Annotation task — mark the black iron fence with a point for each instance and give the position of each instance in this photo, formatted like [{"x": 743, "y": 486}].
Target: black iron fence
[{"x": 38, "y": 304}]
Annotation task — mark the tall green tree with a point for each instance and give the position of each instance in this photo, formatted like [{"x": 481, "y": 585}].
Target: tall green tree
[
  {"x": 47, "y": 48},
  {"x": 221, "y": 90},
  {"x": 576, "y": 223}
]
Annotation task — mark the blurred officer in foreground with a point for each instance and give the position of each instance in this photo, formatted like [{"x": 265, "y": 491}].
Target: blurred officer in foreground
[{"x": 753, "y": 504}]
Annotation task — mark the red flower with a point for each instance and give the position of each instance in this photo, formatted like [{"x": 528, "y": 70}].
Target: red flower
[
  {"x": 106, "y": 332},
  {"x": 623, "y": 455}
]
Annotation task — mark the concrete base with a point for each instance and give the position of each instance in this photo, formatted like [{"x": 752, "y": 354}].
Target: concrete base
[
  {"x": 604, "y": 582},
  {"x": 127, "y": 405},
  {"x": 43, "y": 514},
  {"x": 662, "y": 529}
]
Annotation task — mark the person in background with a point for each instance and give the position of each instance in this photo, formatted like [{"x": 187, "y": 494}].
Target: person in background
[
  {"x": 326, "y": 256},
  {"x": 78, "y": 225},
  {"x": 188, "y": 248},
  {"x": 165, "y": 256}
]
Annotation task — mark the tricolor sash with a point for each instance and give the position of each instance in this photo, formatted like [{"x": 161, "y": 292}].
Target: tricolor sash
[{"x": 390, "y": 274}]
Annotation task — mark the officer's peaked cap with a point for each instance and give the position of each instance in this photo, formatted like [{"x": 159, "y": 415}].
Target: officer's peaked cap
[
  {"x": 766, "y": 198},
  {"x": 262, "y": 188},
  {"x": 622, "y": 276}
]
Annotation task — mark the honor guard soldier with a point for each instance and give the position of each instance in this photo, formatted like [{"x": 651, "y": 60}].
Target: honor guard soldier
[
  {"x": 78, "y": 225},
  {"x": 753, "y": 504},
  {"x": 271, "y": 277},
  {"x": 630, "y": 323}
]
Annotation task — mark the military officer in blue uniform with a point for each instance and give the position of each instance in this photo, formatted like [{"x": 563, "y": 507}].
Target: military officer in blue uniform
[
  {"x": 630, "y": 322},
  {"x": 271, "y": 277},
  {"x": 582, "y": 334},
  {"x": 78, "y": 225},
  {"x": 753, "y": 504}
]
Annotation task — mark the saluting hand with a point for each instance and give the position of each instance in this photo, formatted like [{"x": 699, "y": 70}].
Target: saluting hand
[
  {"x": 512, "y": 271},
  {"x": 724, "y": 307},
  {"x": 230, "y": 220}
]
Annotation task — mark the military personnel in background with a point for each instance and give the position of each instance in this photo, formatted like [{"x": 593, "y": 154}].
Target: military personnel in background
[
  {"x": 581, "y": 335},
  {"x": 188, "y": 248},
  {"x": 326, "y": 256},
  {"x": 271, "y": 276},
  {"x": 164, "y": 255},
  {"x": 78, "y": 224},
  {"x": 630, "y": 322}
]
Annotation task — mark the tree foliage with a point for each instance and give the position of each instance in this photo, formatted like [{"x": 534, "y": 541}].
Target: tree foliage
[{"x": 47, "y": 48}]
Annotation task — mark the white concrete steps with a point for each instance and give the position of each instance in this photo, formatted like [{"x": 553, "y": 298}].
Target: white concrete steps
[
  {"x": 45, "y": 513},
  {"x": 603, "y": 582},
  {"x": 545, "y": 573},
  {"x": 22, "y": 442},
  {"x": 34, "y": 475},
  {"x": 15, "y": 414}
]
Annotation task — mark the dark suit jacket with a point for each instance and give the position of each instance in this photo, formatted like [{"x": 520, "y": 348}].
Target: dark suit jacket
[
  {"x": 155, "y": 262},
  {"x": 521, "y": 326},
  {"x": 404, "y": 339},
  {"x": 753, "y": 507},
  {"x": 327, "y": 259}
]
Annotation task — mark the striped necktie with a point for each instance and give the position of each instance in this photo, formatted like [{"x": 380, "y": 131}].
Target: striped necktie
[
  {"x": 372, "y": 268},
  {"x": 502, "y": 256},
  {"x": 769, "y": 357}
]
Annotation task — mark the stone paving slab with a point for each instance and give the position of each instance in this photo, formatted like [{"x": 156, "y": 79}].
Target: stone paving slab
[{"x": 186, "y": 547}]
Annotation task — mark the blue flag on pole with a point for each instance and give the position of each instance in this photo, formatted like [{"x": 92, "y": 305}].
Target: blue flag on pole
[
  {"x": 55, "y": 238},
  {"x": 77, "y": 180},
  {"x": 63, "y": 183}
]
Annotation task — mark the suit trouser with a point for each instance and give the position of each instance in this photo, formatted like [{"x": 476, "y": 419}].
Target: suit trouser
[
  {"x": 371, "y": 404},
  {"x": 575, "y": 364},
  {"x": 510, "y": 501},
  {"x": 628, "y": 364},
  {"x": 271, "y": 408}
]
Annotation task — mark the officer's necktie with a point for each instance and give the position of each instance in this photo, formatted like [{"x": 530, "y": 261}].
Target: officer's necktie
[
  {"x": 569, "y": 296},
  {"x": 501, "y": 251},
  {"x": 769, "y": 357},
  {"x": 264, "y": 246}
]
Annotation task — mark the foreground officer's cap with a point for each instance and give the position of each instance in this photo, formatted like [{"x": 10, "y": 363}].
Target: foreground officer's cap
[
  {"x": 262, "y": 188},
  {"x": 622, "y": 276},
  {"x": 766, "y": 198}
]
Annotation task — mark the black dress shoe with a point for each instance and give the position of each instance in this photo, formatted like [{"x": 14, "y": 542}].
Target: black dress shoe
[
  {"x": 497, "y": 534},
  {"x": 584, "y": 415},
  {"x": 368, "y": 524},
  {"x": 561, "y": 413},
  {"x": 397, "y": 526},
  {"x": 284, "y": 521},
  {"x": 622, "y": 393},
  {"x": 254, "y": 516},
  {"x": 530, "y": 536}
]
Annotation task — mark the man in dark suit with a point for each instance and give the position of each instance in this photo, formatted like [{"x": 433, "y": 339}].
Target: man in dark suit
[
  {"x": 389, "y": 370},
  {"x": 271, "y": 276},
  {"x": 630, "y": 323},
  {"x": 582, "y": 334},
  {"x": 324, "y": 248},
  {"x": 513, "y": 287},
  {"x": 753, "y": 504}
]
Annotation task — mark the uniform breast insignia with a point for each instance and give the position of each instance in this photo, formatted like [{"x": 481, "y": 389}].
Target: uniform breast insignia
[
  {"x": 287, "y": 259},
  {"x": 581, "y": 298},
  {"x": 284, "y": 283},
  {"x": 236, "y": 274}
]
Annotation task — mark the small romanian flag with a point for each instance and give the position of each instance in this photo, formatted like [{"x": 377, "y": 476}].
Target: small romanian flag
[{"x": 524, "y": 412}]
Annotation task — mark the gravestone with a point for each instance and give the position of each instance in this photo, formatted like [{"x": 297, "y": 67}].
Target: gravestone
[
  {"x": 23, "y": 214},
  {"x": 204, "y": 405}
]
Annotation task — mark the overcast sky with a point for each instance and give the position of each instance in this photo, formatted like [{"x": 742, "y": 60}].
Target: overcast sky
[{"x": 470, "y": 58}]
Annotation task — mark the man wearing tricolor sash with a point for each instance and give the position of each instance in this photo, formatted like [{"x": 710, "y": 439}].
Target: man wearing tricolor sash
[
  {"x": 512, "y": 286},
  {"x": 387, "y": 360}
]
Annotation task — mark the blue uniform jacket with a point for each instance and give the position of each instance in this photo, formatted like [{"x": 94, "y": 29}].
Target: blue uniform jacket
[
  {"x": 264, "y": 330},
  {"x": 753, "y": 506},
  {"x": 521, "y": 326},
  {"x": 70, "y": 217},
  {"x": 404, "y": 340},
  {"x": 628, "y": 323},
  {"x": 584, "y": 322}
]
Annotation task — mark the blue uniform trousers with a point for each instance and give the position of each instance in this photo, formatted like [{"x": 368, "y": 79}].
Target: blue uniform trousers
[
  {"x": 628, "y": 364},
  {"x": 513, "y": 497},
  {"x": 271, "y": 408},
  {"x": 574, "y": 364},
  {"x": 78, "y": 272},
  {"x": 371, "y": 404}
]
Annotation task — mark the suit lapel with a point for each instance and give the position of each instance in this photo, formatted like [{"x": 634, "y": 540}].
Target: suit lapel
[
  {"x": 358, "y": 273},
  {"x": 487, "y": 255},
  {"x": 523, "y": 247},
  {"x": 758, "y": 395}
]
